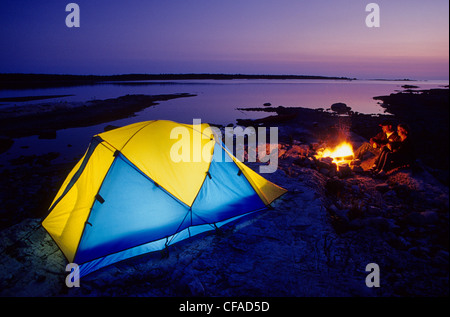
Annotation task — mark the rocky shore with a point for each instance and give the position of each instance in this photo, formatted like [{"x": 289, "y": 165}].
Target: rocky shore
[
  {"x": 46, "y": 118},
  {"x": 316, "y": 241}
]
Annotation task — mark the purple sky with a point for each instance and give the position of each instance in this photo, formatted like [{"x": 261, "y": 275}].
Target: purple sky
[{"x": 327, "y": 37}]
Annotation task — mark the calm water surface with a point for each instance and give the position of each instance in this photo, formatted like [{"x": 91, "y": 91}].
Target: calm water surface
[{"x": 215, "y": 102}]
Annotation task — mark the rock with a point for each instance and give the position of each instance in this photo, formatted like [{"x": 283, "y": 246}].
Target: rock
[
  {"x": 414, "y": 218},
  {"x": 399, "y": 243},
  {"x": 441, "y": 258},
  {"x": 5, "y": 144},
  {"x": 333, "y": 208},
  {"x": 47, "y": 134},
  {"x": 344, "y": 171},
  {"x": 409, "y": 86},
  {"x": 418, "y": 251},
  {"x": 326, "y": 160},
  {"x": 355, "y": 189},
  {"x": 242, "y": 267},
  {"x": 373, "y": 211},
  {"x": 357, "y": 169},
  {"x": 267, "y": 104},
  {"x": 342, "y": 214},
  {"x": 295, "y": 151},
  {"x": 301, "y": 161},
  {"x": 382, "y": 188},
  {"x": 340, "y": 108},
  {"x": 402, "y": 191},
  {"x": 22, "y": 160},
  {"x": 357, "y": 223},
  {"x": 390, "y": 194},
  {"x": 192, "y": 284},
  {"x": 429, "y": 217},
  {"x": 334, "y": 186},
  {"x": 281, "y": 152},
  {"x": 378, "y": 223},
  {"x": 332, "y": 172},
  {"x": 325, "y": 163},
  {"x": 356, "y": 162},
  {"x": 324, "y": 171},
  {"x": 110, "y": 127}
]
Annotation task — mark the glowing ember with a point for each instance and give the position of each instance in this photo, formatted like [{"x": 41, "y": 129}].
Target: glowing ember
[{"x": 343, "y": 153}]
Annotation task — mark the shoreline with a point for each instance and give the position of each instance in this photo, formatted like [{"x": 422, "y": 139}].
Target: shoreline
[
  {"x": 426, "y": 111},
  {"x": 344, "y": 222},
  {"x": 47, "y": 118},
  {"x": 31, "y": 98}
]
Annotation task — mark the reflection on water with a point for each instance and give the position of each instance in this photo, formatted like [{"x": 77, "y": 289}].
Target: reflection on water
[
  {"x": 215, "y": 103},
  {"x": 223, "y": 96}
]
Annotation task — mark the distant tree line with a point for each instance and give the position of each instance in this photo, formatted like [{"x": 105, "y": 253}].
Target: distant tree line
[{"x": 22, "y": 81}]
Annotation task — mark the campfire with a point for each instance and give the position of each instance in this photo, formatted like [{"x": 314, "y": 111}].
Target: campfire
[
  {"x": 341, "y": 155},
  {"x": 327, "y": 160}
]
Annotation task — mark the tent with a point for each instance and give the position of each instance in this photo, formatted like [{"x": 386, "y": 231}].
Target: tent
[{"x": 127, "y": 195}]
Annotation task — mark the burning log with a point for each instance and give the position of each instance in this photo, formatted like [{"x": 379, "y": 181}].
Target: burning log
[
  {"x": 343, "y": 153},
  {"x": 331, "y": 162}
]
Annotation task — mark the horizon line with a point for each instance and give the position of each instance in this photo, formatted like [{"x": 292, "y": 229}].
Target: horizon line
[{"x": 193, "y": 76}]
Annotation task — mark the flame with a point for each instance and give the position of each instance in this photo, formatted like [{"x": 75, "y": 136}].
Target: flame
[{"x": 340, "y": 154}]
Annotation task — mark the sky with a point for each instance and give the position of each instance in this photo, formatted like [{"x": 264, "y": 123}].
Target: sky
[{"x": 295, "y": 37}]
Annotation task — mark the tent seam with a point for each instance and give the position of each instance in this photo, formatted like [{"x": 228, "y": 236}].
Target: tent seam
[{"x": 92, "y": 206}]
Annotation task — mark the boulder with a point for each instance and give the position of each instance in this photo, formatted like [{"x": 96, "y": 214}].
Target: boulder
[
  {"x": 429, "y": 217},
  {"x": 340, "y": 108},
  {"x": 110, "y": 127},
  {"x": 334, "y": 186},
  {"x": 378, "y": 223},
  {"x": 414, "y": 218},
  {"x": 325, "y": 162},
  {"x": 324, "y": 171},
  {"x": 357, "y": 169},
  {"x": 5, "y": 144},
  {"x": 295, "y": 151},
  {"x": 344, "y": 170},
  {"x": 382, "y": 188}
]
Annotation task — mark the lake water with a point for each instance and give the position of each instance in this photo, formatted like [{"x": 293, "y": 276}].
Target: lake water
[{"x": 216, "y": 102}]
